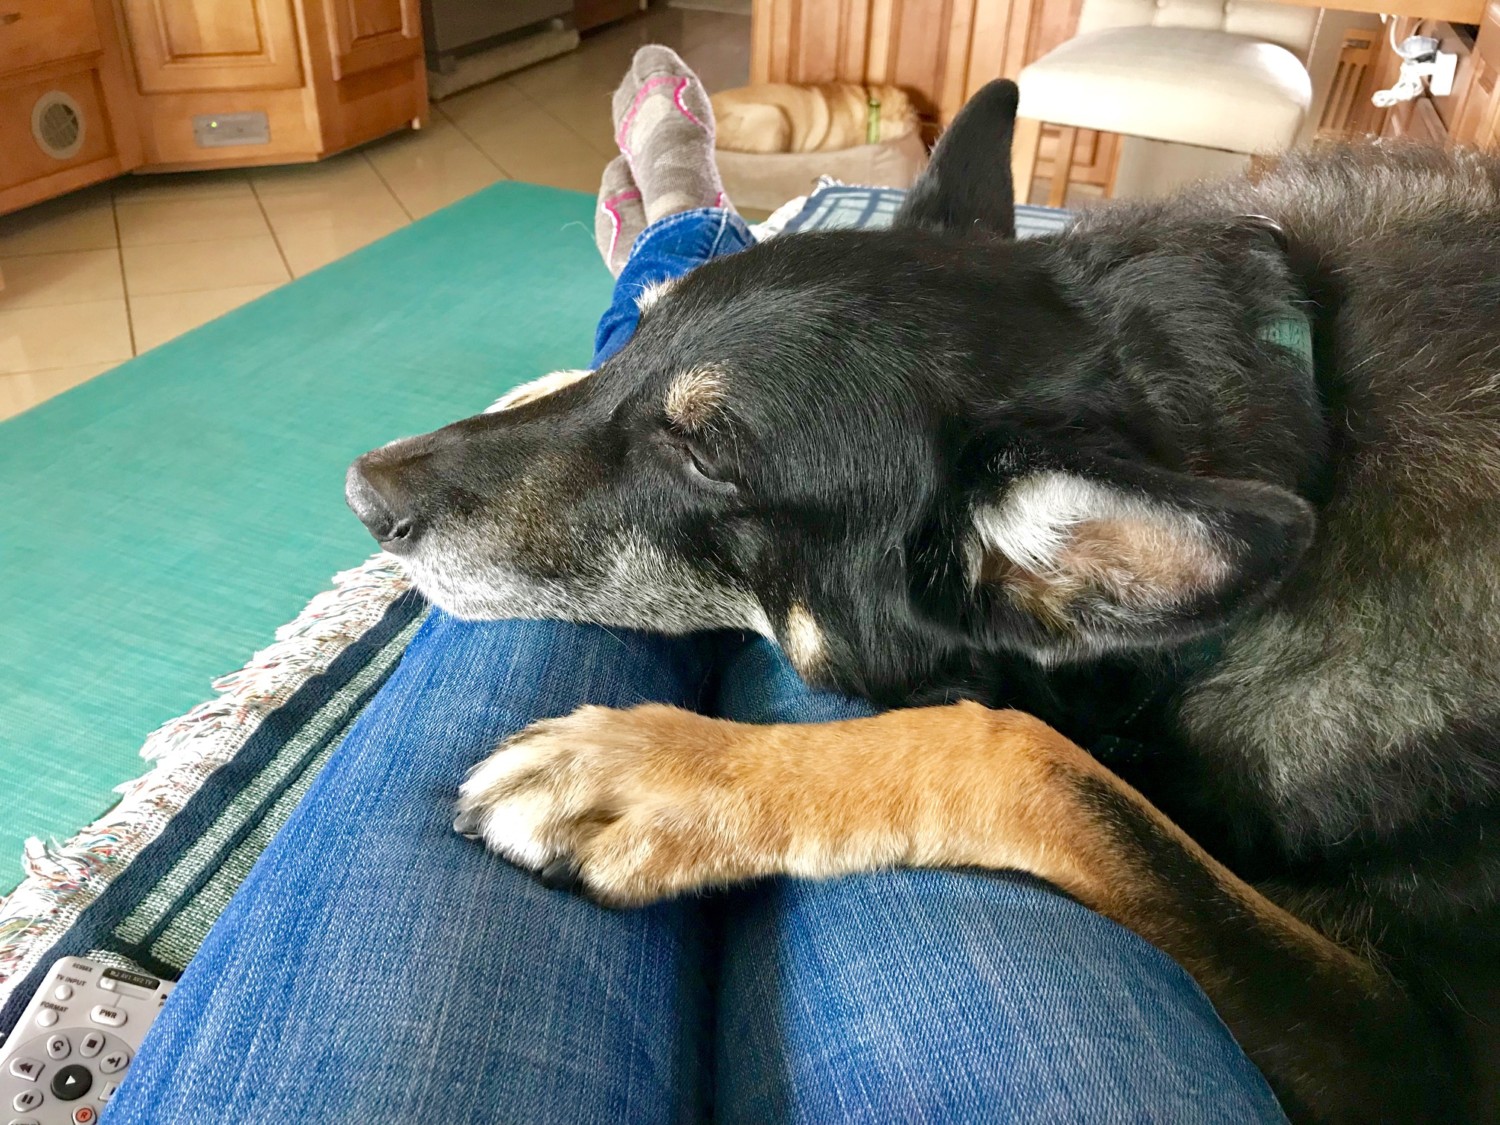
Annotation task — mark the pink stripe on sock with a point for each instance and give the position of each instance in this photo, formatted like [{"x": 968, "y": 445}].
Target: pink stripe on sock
[
  {"x": 611, "y": 209},
  {"x": 677, "y": 97},
  {"x": 640, "y": 96}
]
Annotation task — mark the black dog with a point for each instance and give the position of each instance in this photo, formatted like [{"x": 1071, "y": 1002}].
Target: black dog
[{"x": 1211, "y": 486}]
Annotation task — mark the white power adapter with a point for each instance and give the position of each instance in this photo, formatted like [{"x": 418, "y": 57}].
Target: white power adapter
[{"x": 1423, "y": 66}]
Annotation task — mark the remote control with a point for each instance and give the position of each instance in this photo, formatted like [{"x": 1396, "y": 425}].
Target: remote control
[{"x": 68, "y": 1054}]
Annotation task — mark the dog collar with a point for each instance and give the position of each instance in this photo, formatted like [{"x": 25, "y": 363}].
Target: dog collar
[
  {"x": 1293, "y": 332},
  {"x": 872, "y": 120}
]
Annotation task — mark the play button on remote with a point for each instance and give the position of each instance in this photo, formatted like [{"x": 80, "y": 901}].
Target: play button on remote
[{"x": 71, "y": 1082}]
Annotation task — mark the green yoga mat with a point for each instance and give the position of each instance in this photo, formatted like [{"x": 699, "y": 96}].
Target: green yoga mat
[{"x": 159, "y": 522}]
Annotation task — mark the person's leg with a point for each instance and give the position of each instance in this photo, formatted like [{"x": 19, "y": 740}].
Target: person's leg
[
  {"x": 665, "y": 250},
  {"x": 661, "y": 198},
  {"x": 377, "y": 967},
  {"x": 948, "y": 995}
]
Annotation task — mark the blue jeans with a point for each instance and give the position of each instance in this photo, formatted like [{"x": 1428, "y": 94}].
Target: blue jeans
[{"x": 375, "y": 967}]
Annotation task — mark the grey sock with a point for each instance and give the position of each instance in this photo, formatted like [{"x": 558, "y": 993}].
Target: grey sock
[
  {"x": 664, "y": 125},
  {"x": 619, "y": 216}
]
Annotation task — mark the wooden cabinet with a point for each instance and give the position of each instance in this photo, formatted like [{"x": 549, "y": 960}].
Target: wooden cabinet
[
  {"x": 66, "y": 117},
  {"x": 182, "y": 45},
  {"x": 370, "y": 34},
  {"x": 941, "y": 51},
  {"x": 1469, "y": 115},
  {"x": 224, "y": 84},
  {"x": 1477, "y": 120},
  {"x": 34, "y": 32},
  {"x": 93, "y": 88}
]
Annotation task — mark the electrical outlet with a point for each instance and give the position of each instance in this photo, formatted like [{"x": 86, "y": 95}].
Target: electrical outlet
[
  {"x": 1440, "y": 81},
  {"x": 222, "y": 130}
]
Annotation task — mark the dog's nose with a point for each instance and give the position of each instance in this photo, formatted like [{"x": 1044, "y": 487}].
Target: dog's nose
[{"x": 377, "y": 497}]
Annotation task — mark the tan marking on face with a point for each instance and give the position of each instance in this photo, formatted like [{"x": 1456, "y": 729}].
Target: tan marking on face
[
  {"x": 537, "y": 388},
  {"x": 802, "y": 640},
  {"x": 694, "y": 396}
]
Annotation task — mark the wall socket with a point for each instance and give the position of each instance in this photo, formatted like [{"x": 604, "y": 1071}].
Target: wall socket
[{"x": 220, "y": 130}]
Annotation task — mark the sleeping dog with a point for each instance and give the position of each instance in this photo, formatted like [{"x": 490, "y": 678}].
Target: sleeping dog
[
  {"x": 780, "y": 117},
  {"x": 1171, "y": 543}
]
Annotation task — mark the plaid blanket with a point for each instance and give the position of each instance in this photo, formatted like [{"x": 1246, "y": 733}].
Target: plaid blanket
[{"x": 142, "y": 885}]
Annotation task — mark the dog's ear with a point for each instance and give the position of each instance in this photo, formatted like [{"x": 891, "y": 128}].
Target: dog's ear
[
  {"x": 1080, "y": 565},
  {"x": 968, "y": 182}
]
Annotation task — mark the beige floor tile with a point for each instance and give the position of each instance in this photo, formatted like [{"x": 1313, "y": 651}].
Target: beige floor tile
[
  {"x": 584, "y": 69},
  {"x": 575, "y": 168},
  {"x": 63, "y": 336},
  {"x": 23, "y": 391},
  {"x": 69, "y": 278},
  {"x": 162, "y": 318},
  {"x": 539, "y": 149},
  {"x": 484, "y": 104},
  {"x": 310, "y": 246},
  {"x": 181, "y": 185},
  {"x": 183, "y": 267},
  {"x": 349, "y": 171},
  {"x": 586, "y": 113},
  {"x": 84, "y": 220},
  {"x": 392, "y": 152},
  {"x": 356, "y": 207},
  {"x": 189, "y": 219},
  {"x": 427, "y": 174}
]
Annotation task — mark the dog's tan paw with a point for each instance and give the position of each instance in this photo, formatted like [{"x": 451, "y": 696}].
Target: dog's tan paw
[{"x": 632, "y": 804}]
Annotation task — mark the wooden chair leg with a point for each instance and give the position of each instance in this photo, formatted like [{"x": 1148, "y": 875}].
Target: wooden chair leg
[
  {"x": 1026, "y": 139},
  {"x": 1062, "y": 166},
  {"x": 1117, "y": 143}
]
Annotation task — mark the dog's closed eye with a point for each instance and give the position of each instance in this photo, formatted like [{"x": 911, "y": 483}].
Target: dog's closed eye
[{"x": 703, "y": 469}]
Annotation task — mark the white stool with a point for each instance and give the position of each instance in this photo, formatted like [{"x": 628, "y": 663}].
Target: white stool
[{"x": 1223, "y": 74}]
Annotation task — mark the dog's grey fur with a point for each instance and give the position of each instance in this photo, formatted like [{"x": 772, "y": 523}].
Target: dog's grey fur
[{"x": 898, "y": 401}]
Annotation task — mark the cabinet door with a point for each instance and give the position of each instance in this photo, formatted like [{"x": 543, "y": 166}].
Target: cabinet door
[
  {"x": 33, "y": 32},
  {"x": 67, "y": 116},
  {"x": 368, "y": 34},
  {"x": 213, "y": 45},
  {"x": 1480, "y": 123}
]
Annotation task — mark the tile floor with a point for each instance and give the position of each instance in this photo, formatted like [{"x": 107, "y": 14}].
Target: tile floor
[{"x": 112, "y": 271}]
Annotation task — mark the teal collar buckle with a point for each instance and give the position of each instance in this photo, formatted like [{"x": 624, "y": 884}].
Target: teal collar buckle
[{"x": 1295, "y": 334}]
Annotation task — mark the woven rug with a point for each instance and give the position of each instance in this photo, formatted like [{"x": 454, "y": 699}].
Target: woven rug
[
  {"x": 142, "y": 885},
  {"x": 159, "y": 522}
]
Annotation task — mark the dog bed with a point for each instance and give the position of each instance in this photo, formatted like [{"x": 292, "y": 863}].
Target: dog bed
[
  {"x": 764, "y": 179},
  {"x": 143, "y": 884}
]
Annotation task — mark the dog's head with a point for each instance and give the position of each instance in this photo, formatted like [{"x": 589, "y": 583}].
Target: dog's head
[{"x": 885, "y": 449}]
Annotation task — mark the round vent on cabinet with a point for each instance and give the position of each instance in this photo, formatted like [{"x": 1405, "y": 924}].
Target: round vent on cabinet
[{"x": 57, "y": 125}]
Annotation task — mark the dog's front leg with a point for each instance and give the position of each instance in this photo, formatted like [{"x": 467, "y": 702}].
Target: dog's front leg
[{"x": 637, "y": 805}]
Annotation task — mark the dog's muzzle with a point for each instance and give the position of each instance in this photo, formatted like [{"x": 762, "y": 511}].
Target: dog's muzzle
[{"x": 374, "y": 491}]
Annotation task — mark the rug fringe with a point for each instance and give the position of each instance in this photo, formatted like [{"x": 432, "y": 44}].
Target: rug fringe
[{"x": 62, "y": 879}]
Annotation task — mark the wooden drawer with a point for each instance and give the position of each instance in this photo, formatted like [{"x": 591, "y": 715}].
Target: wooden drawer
[
  {"x": 33, "y": 32},
  {"x": 24, "y": 158}
]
